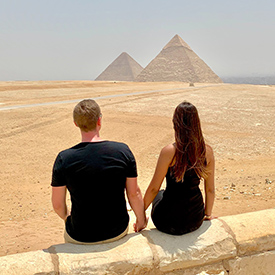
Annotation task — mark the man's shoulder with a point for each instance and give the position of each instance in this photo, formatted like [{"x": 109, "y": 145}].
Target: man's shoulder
[
  {"x": 68, "y": 151},
  {"x": 104, "y": 145},
  {"x": 118, "y": 145}
]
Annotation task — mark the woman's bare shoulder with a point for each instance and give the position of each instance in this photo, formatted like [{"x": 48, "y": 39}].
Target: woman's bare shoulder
[
  {"x": 170, "y": 148},
  {"x": 168, "y": 151}
]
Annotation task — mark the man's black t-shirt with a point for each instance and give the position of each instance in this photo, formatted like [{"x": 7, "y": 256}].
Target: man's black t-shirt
[{"x": 95, "y": 174}]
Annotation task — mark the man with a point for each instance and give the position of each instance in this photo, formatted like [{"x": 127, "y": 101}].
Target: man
[{"x": 96, "y": 172}]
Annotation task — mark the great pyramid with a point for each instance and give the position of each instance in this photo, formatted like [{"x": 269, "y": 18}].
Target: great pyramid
[
  {"x": 177, "y": 62},
  {"x": 123, "y": 68}
]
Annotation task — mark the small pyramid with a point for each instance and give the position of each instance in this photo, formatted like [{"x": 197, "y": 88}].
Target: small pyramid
[
  {"x": 123, "y": 68},
  {"x": 177, "y": 62}
]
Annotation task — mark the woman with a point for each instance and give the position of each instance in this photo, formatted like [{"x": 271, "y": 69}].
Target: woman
[{"x": 180, "y": 208}]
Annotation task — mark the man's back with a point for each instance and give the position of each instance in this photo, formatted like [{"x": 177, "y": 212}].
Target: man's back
[{"x": 95, "y": 174}]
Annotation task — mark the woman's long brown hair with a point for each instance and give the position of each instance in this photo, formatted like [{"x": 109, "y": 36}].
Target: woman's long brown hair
[{"x": 190, "y": 145}]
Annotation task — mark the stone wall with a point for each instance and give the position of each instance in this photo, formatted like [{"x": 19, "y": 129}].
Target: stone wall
[{"x": 241, "y": 244}]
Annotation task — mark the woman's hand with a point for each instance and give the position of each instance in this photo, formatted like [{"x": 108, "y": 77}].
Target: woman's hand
[{"x": 209, "y": 217}]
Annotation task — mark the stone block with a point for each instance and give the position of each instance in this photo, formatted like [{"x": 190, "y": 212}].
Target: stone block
[
  {"x": 254, "y": 231},
  {"x": 209, "y": 244},
  {"x": 259, "y": 264},
  {"x": 130, "y": 255},
  {"x": 29, "y": 263}
]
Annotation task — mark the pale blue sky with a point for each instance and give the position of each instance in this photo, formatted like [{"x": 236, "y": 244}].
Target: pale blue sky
[{"x": 77, "y": 40}]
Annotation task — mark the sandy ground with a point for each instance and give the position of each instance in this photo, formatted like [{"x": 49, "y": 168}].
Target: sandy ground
[{"x": 237, "y": 120}]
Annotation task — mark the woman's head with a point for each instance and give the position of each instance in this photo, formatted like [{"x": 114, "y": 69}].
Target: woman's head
[
  {"x": 190, "y": 145},
  {"x": 186, "y": 121}
]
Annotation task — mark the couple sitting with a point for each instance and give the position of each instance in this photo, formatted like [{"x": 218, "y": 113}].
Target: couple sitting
[{"x": 96, "y": 172}]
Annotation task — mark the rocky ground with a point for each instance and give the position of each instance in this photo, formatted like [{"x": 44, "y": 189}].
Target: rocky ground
[{"x": 237, "y": 120}]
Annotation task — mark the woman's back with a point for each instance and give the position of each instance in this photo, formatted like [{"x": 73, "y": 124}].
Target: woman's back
[{"x": 181, "y": 209}]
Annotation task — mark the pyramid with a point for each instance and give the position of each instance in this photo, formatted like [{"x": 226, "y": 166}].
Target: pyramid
[
  {"x": 177, "y": 62},
  {"x": 124, "y": 68}
]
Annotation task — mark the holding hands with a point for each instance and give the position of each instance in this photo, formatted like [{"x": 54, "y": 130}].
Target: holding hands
[{"x": 138, "y": 226}]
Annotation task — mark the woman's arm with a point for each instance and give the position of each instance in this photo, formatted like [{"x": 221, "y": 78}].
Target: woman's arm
[
  {"x": 209, "y": 183},
  {"x": 164, "y": 160},
  {"x": 59, "y": 201}
]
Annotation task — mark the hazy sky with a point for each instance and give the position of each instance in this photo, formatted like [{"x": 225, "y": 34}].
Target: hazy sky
[{"x": 77, "y": 40}]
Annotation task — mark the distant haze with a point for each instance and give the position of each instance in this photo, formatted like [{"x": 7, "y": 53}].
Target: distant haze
[
  {"x": 258, "y": 80},
  {"x": 77, "y": 40}
]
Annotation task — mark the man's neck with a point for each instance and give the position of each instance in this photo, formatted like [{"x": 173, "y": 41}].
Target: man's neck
[{"x": 92, "y": 136}]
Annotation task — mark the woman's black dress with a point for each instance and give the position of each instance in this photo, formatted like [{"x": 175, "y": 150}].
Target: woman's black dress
[{"x": 179, "y": 208}]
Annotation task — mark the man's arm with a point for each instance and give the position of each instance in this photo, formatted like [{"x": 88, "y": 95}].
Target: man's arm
[
  {"x": 135, "y": 199},
  {"x": 59, "y": 201}
]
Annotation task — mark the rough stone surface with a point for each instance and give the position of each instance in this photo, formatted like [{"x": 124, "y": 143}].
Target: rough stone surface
[
  {"x": 123, "y": 68},
  {"x": 209, "y": 244},
  {"x": 254, "y": 231},
  {"x": 29, "y": 263},
  {"x": 215, "y": 269},
  {"x": 177, "y": 62},
  {"x": 260, "y": 264},
  {"x": 130, "y": 255},
  {"x": 217, "y": 247}
]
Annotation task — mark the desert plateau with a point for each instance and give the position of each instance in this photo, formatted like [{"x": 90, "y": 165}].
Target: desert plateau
[{"x": 238, "y": 121}]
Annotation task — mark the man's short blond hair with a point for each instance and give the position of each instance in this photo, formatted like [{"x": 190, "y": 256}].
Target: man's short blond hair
[{"x": 86, "y": 114}]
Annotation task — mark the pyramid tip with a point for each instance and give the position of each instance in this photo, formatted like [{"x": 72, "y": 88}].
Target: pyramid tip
[{"x": 177, "y": 41}]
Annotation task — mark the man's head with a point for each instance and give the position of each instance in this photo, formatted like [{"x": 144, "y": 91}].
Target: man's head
[{"x": 86, "y": 114}]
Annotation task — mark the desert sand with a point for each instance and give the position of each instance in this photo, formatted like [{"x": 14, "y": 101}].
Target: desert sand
[{"x": 237, "y": 120}]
